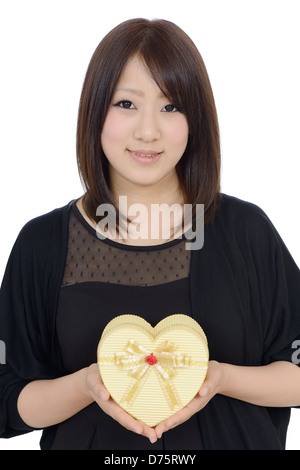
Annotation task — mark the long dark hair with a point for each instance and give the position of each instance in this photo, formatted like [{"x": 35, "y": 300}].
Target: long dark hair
[{"x": 178, "y": 69}]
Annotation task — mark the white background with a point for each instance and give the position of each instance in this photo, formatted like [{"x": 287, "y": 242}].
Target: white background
[{"x": 251, "y": 50}]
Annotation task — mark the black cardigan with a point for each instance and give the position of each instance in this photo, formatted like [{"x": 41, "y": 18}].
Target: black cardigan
[{"x": 244, "y": 271}]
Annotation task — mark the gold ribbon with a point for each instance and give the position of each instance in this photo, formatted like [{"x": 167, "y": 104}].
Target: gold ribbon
[{"x": 134, "y": 359}]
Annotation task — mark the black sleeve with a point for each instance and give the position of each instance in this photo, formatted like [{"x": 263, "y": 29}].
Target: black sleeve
[
  {"x": 25, "y": 329},
  {"x": 279, "y": 279}
]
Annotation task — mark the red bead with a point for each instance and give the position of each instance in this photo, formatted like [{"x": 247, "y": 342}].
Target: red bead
[{"x": 151, "y": 360}]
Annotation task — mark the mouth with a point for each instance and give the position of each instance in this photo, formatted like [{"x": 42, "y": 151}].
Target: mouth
[
  {"x": 148, "y": 154},
  {"x": 145, "y": 156}
]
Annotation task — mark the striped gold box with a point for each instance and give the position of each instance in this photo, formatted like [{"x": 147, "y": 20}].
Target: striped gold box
[{"x": 153, "y": 372}]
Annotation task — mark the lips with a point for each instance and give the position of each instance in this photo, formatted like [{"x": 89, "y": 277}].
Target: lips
[
  {"x": 145, "y": 156},
  {"x": 145, "y": 153}
]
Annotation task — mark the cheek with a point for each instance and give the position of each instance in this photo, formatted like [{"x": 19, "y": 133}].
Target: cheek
[
  {"x": 113, "y": 131},
  {"x": 179, "y": 133}
]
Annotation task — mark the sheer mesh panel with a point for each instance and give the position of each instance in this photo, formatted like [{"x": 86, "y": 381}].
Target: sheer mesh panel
[{"x": 90, "y": 259}]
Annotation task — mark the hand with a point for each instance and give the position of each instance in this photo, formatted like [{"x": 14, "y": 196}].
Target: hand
[
  {"x": 211, "y": 386},
  {"x": 98, "y": 392}
]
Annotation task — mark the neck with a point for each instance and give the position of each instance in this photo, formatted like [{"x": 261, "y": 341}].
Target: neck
[
  {"x": 153, "y": 212},
  {"x": 164, "y": 192}
]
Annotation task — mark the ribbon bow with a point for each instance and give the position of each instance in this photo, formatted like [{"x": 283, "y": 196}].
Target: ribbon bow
[{"x": 140, "y": 362}]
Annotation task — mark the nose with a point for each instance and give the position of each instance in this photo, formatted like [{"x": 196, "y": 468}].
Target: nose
[{"x": 147, "y": 127}]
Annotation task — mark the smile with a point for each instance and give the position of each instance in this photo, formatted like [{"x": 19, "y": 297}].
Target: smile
[
  {"x": 145, "y": 157},
  {"x": 149, "y": 154}
]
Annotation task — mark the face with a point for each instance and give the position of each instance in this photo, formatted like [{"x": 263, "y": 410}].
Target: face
[{"x": 144, "y": 134}]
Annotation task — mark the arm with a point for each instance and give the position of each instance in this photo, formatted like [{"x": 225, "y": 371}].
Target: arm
[
  {"x": 276, "y": 385},
  {"x": 44, "y": 403}
]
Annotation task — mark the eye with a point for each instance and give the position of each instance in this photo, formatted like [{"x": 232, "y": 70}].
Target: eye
[
  {"x": 126, "y": 104},
  {"x": 171, "y": 108}
]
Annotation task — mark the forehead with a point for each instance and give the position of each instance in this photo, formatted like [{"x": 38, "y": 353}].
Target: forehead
[{"x": 136, "y": 78}]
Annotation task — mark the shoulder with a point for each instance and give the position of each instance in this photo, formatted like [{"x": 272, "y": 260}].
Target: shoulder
[
  {"x": 232, "y": 207},
  {"x": 244, "y": 219},
  {"x": 38, "y": 254},
  {"x": 234, "y": 210},
  {"x": 44, "y": 228}
]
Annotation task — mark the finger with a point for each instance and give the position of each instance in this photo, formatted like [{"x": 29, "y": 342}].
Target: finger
[
  {"x": 149, "y": 432},
  {"x": 128, "y": 422},
  {"x": 168, "y": 424},
  {"x": 104, "y": 394},
  {"x": 178, "y": 418},
  {"x": 98, "y": 389},
  {"x": 96, "y": 384},
  {"x": 208, "y": 389},
  {"x": 204, "y": 391}
]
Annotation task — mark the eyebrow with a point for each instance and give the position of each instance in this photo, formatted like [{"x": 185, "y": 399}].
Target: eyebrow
[{"x": 137, "y": 92}]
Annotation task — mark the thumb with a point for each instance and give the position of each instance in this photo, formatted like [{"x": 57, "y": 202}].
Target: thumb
[
  {"x": 104, "y": 394},
  {"x": 96, "y": 384},
  {"x": 204, "y": 390}
]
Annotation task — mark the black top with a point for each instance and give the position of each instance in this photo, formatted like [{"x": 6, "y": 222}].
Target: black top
[
  {"x": 242, "y": 287},
  {"x": 103, "y": 279}
]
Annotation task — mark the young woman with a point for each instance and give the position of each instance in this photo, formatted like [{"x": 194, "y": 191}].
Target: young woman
[{"x": 148, "y": 132}]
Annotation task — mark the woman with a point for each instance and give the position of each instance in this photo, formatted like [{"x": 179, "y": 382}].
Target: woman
[{"x": 148, "y": 132}]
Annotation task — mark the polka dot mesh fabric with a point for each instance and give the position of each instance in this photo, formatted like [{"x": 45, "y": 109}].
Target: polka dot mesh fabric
[{"x": 90, "y": 259}]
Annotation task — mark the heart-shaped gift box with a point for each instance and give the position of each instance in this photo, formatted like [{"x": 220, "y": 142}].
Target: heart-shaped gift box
[{"x": 153, "y": 372}]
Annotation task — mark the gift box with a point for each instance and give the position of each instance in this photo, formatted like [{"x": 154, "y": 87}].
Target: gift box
[{"x": 152, "y": 372}]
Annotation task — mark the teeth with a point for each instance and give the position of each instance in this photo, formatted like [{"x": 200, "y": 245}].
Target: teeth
[{"x": 146, "y": 155}]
